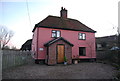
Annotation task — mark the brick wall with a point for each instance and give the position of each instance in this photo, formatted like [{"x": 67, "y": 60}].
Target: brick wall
[{"x": 52, "y": 54}]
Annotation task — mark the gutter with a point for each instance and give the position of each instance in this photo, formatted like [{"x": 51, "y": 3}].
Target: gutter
[{"x": 92, "y": 31}]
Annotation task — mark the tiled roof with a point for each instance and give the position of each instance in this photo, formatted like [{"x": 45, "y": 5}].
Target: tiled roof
[
  {"x": 63, "y": 23},
  {"x": 57, "y": 39},
  {"x": 111, "y": 39},
  {"x": 26, "y": 45}
]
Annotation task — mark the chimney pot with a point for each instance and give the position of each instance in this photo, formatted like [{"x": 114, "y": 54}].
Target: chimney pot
[
  {"x": 61, "y": 8},
  {"x": 63, "y": 13}
]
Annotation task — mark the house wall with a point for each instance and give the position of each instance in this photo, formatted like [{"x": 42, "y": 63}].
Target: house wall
[
  {"x": 34, "y": 43},
  {"x": 45, "y": 35}
]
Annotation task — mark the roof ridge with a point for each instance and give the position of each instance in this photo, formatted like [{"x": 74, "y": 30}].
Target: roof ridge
[{"x": 62, "y": 18}]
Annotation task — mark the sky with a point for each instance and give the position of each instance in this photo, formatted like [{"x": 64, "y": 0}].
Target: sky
[{"x": 20, "y": 16}]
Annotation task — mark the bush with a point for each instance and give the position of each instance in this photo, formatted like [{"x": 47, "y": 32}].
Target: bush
[
  {"x": 112, "y": 56},
  {"x": 65, "y": 59},
  {"x": 118, "y": 75}
]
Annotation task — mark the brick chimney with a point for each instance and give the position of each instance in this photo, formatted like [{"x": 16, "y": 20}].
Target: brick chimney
[{"x": 63, "y": 13}]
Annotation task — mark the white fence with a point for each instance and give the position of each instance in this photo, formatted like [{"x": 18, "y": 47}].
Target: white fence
[{"x": 12, "y": 58}]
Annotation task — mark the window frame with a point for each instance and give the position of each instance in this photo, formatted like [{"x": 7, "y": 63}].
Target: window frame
[
  {"x": 56, "y": 33},
  {"x": 83, "y": 51},
  {"x": 82, "y": 36}
]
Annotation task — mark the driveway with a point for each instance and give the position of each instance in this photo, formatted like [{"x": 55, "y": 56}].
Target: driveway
[{"x": 75, "y": 71}]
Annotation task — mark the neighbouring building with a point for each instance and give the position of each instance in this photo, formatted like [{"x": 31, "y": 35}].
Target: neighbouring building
[
  {"x": 27, "y": 45},
  {"x": 106, "y": 42},
  {"x": 55, "y": 38}
]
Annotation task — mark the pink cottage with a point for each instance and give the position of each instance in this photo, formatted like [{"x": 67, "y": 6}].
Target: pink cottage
[{"x": 56, "y": 38}]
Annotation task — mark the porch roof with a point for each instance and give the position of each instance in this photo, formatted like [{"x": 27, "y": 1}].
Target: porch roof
[{"x": 55, "y": 40}]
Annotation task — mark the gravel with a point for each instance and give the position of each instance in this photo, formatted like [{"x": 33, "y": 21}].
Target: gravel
[{"x": 75, "y": 71}]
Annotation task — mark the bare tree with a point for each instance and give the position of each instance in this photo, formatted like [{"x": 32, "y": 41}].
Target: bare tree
[{"x": 5, "y": 36}]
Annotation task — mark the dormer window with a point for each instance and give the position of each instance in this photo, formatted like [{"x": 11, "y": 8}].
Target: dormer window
[
  {"x": 82, "y": 36},
  {"x": 55, "y": 33}
]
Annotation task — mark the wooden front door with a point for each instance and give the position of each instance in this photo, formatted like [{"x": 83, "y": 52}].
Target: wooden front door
[{"x": 60, "y": 53}]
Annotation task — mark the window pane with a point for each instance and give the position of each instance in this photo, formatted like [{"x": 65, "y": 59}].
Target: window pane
[
  {"x": 83, "y": 35},
  {"x": 53, "y": 31},
  {"x": 58, "y": 33},
  {"x": 80, "y": 35},
  {"x": 82, "y": 51},
  {"x": 53, "y": 34}
]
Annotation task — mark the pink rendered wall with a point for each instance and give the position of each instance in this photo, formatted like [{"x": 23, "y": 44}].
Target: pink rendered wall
[
  {"x": 34, "y": 43},
  {"x": 72, "y": 36}
]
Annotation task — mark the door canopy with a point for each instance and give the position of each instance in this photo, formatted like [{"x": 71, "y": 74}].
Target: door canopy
[{"x": 57, "y": 39}]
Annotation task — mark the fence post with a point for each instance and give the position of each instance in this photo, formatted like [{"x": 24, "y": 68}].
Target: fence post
[{"x": 1, "y": 53}]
